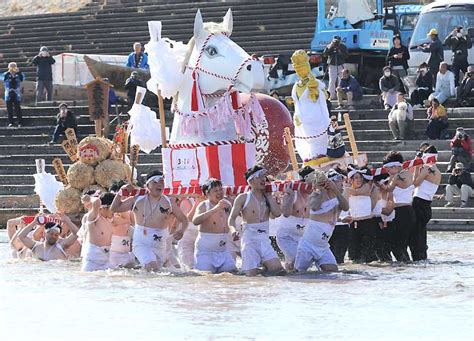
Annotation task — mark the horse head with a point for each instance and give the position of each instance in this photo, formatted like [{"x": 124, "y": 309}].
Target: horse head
[{"x": 221, "y": 63}]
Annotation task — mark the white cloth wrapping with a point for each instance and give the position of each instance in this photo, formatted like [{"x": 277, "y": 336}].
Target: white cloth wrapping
[
  {"x": 311, "y": 119},
  {"x": 47, "y": 187},
  {"x": 143, "y": 126},
  {"x": 166, "y": 58}
]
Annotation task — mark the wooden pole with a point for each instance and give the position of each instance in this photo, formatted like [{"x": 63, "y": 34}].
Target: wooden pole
[
  {"x": 134, "y": 150},
  {"x": 161, "y": 108},
  {"x": 350, "y": 134},
  {"x": 291, "y": 148}
]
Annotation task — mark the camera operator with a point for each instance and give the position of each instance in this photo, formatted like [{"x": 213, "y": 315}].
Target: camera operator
[
  {"x": 459, "y": 44},
  {"x": 337, "y": 55},
  {"x": 131, "y": 86},
  {"x": 44, "y": 74},
  {"x": 460, "y": 184},
  {"x": 465, "y": 90},
  {"x": 461, "y": 149}
]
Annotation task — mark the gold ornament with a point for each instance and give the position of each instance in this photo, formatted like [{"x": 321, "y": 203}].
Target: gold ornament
[{"x": 302, "y": 67}]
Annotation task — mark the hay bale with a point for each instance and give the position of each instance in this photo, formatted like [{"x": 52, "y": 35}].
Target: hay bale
[
  {"x": 94, "y": 188},
  {"x": 109, "y": 171},
  {"x": 92, "y": 150},
  {"x": 80, "y": 175},
  {"x": 68, "y": 201}
]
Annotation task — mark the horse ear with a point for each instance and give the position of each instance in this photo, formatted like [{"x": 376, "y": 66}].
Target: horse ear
[
  {"x": 198, "y": 25},
  {"x": 228, "y": 22}
]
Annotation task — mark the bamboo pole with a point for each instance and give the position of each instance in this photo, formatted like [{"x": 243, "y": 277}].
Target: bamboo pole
[
  {"x": 350, "y": 134},
  {"x": 161, "y": 109},
  {"x": 134, "y": 150},
  {"x": 291, "y": 148}
]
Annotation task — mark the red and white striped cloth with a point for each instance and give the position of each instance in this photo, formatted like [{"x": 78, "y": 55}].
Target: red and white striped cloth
[
  {"x": 193, "y": 166},
  {"x": 405, "y": 165}
]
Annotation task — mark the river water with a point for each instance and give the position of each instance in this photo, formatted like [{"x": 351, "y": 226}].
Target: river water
[{"x": 54, "y": 301}]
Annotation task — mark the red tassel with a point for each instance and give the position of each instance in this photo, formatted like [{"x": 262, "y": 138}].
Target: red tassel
[
  {"x": 194, "y": 94},
  {"x": 235, "y": 97}
]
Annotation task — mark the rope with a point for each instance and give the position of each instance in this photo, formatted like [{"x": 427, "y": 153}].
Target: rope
[{"x": 205, "y": 144}]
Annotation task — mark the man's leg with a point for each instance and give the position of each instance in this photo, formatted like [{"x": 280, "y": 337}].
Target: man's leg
[
  {"x": 17, "y": 105},
  {"x": 451, "y": 191},
  {"x": 456, "y": 69},
  {"x": 58, "y": 131},
  {"x": 49, "y": 90},
  {"x": 340, "y": 97},
  {"x": 350, "y": 97},
  {"x": 332, "y": 80},
  {"x": 39, "y": 91},
  {"x": 393, "y": 128},
  {"x": 11, "y": 119},
  {"x": 466, "y": 192},
  {"x": 402, "y": 128}
]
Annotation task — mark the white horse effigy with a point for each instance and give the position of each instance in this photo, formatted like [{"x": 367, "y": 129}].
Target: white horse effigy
[{"x": 212, "y": 131}]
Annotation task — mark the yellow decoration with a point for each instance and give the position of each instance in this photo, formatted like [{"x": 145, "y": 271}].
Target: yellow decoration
[
  {"x": 302, "y": 67},
  {"x": 296, "y": 120}
]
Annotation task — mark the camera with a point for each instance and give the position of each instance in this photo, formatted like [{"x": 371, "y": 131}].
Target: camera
[{"x": 419, "y": 154}]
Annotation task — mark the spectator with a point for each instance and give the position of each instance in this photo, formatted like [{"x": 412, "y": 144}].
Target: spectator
[
  {"x": 12, "y": 80},
  {"x": 131, "y": 86},
  {"x": 444, "y": 84},
  {"x": 437, "y": 120},
  {"x": 337, "y": 55},
  {"x": 349, "y": 89},
  {"x": 64, "y": 120},
  {"x": 389, "y": 85},
  {"x": 459, "y": 44},
  {"x": 397, "y": 58},
  {"x": 400, "y": 118},
  {"x": 424, "y": 86},
  {"x": 137, "y": 59},
  {"x": 459, "y": 184},
  {"x": 465, "y": 90},
  {"x": 461, "y": 149},
  {"x": 44, "y": 74},
  {"x": 435, "y": 49}
]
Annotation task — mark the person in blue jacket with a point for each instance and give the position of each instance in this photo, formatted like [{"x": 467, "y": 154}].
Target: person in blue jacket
[
  {"x": 138, "y": 59},
  {"x": 12, "y": 80}
]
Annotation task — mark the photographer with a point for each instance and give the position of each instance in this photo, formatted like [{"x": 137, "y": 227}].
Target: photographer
[
  {"x": 460, "y": 184},
  {"x": 12, "y": 80},
  {"x": 65, "y": 119},
  {"x": 461, "y": 149},
  {"x": 465, "y": 90},
  {"x": 459, "y": 44},
  {"x": 337, "y": 55},
  {"x": 44, "y": 74},
  {"x": 424, "y": 86},
  {"x": 435, "y": 49},
  {"x": 131, "y": 86}
]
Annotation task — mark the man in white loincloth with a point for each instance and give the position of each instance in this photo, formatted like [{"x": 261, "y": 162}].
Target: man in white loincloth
[
  {"x": 294, "y": 210},
  {"x": 98, "y": 224},
  {"x": 154, "y": 214},
  {"x": 325, "y": 203},
  {"x": 186, "y": 245},
  {"x": 52, "y": 248},
  {"x": 212, "y": 251},
  {"x": 255, "y": 207}
]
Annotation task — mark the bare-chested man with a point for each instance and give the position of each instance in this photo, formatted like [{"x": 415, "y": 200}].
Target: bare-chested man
[
  {"x": 154, "y": 214},
  {"x": 295, "y": 215},
  {"x": 53, "y": 246},
  {"x": 212, "y": 244},
  {"x": 98, "y": 224},
  {"x": 325, "y": 203},
  {"x": 426, "y": 180},
  {"x": 255, "y": 207}
]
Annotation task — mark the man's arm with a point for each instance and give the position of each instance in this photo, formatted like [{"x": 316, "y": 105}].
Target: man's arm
[
  {"x": 69, "y": 240},
  {"x": 119, "y": 205},
  {"x": 35, "y": 60},
  {"x": 202, "y": 215},
  {"x": 236, "y": 209},
  {"x": 51, "y": 60},
  {"x": 364, "y": 190},
  {"x": 275, "y": 209},
  {"x": 419, "y": 175},
  {"x": 23, "y": 235},
  {"x": 181, "y": 218},
  {"x": 94, "y": 212}
]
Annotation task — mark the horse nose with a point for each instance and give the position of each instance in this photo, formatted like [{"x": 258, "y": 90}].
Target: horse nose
[{"x": 249, "y": 67}]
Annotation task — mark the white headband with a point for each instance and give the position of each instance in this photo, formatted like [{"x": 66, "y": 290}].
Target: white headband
[
  {"x": 155, "y": 178},
  {"x": 393, "y": 164},
  {"x": 368, "y": 177},
  {"x": 54, "y": 228},
  {"x": 354, "y": 171},
  {"x": 256, "y": 174},
  {"x": 383, "y": 181}
]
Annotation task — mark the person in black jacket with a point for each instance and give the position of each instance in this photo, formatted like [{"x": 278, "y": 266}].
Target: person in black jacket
[
  {"x": 131, "y": 86},
  {"x": 435, "y": 49},
  {"x": 65, "y": 119},
  {"x": 337, "y": 55},
  {"x": 397, "y": 58},
  {"x": 44, "y": 74},
  {"x": 460, "y": 45},
  {"x": 459, "y": 183},
  {"x": 424, "y": 86}
]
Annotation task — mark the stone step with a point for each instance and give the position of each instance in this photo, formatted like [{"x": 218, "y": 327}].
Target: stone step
[
  {"x": 418, "y": 124},
  {"x": 451, "y": 225}
]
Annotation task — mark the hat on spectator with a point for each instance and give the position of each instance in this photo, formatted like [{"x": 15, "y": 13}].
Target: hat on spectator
[
  {"x": 433, "y": 32},
  {"x": 459, "y": 129},
  {"x": 134, "y": 73},
  {"x": 62, "y": 104},
  {"x": 44, "y": 48},
  {"x": 459, "y": 165}
]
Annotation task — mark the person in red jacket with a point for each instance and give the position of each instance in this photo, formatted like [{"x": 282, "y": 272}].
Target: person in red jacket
[{"x": 461, "y": 149}]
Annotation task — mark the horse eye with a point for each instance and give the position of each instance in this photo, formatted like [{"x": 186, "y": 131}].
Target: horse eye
[{"x": 211, "y": 50}]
